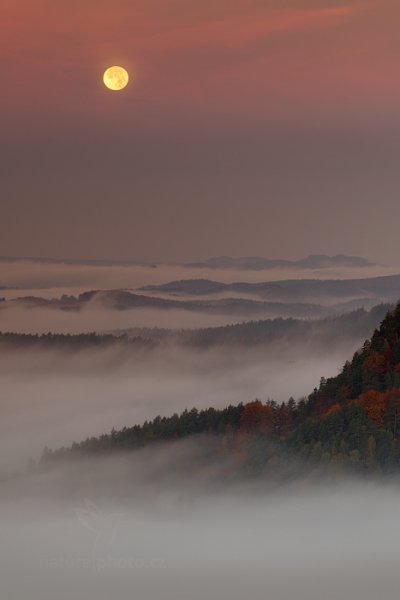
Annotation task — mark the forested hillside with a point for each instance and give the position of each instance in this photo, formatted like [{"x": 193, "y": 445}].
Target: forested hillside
[{"x": 352, "y": 420}]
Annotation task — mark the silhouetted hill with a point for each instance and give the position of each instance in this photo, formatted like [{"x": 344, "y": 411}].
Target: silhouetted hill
[
  {"x": 336, "y": 291},
  {"x": 127, "y": 300}
]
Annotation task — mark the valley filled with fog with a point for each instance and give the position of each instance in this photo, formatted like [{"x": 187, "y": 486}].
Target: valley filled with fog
[
  {"x": 199, "y": 300},
  {"x": 39, "y": 296},
  {"x": 56, "y": 396},
  {"x": 166, "y": 520},
  {"x": 148, "y": 526}
]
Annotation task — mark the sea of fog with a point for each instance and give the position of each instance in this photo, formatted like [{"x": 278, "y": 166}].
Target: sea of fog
[
  {"x": 54, "y": 398},
  {"x": 176, "y": 540},
  {"x": 147, "y": 525}
]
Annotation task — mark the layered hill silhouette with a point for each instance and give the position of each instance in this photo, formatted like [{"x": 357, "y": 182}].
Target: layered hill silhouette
[
  {"x": 351, "y": 421},
  {"x": 122, "y": 300},
  {"x": 338, "y": 291},
  {"x": 296, "y": 298}
]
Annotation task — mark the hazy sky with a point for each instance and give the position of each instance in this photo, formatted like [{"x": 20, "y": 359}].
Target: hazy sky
[{"x": 252, "y": 127}]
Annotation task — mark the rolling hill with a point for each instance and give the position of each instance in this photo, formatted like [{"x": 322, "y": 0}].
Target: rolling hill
[{"x": 333, "y": 291}]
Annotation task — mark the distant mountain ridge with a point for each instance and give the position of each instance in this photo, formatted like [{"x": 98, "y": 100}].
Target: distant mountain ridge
[
  {"x": 251, "y": 263},
  {"x": 259, "y": 263}
]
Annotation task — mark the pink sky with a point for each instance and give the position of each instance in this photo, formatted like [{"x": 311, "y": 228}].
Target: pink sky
[
  {"x": 264, "y": 59},
  {"x": 250, "y": 127}
]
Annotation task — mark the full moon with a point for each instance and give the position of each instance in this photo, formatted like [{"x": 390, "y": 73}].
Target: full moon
[{"x": 116, "y": 78}]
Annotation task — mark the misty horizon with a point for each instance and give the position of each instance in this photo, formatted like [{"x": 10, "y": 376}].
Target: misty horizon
[{"x": 193, "y": 259}]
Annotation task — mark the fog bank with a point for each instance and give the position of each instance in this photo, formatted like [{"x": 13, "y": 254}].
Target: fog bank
[
  {"x": 306, "y": 542},
  {"x": 54, "y": 397}
]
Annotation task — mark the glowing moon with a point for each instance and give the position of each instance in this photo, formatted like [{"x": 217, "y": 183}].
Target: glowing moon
[{"x": 116, "y": 78}]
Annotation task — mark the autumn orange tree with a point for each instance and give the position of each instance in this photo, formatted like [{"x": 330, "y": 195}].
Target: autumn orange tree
[
  {"x": 375, "y": 405},
  {"x": 257, "y": 417}
]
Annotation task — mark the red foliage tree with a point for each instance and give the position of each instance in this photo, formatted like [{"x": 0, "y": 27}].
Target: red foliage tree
[
  {"x": 257, "y": 417},
  {"x": 375, "y": 364},
  {"x": 375, "y": 405}
]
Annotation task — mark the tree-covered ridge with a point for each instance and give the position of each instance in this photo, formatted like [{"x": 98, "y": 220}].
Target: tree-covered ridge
[
  {"x": 67, "y": 341},
  {"x": 356, "y": 414},
  {"x": 376, "y": 367},
  {"x": 354, "y": 325},
  {"x": 352, "y": 419},
  {"x": 161, "y": 429}
]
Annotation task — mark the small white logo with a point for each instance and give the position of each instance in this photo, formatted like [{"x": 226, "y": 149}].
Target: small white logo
[{"x": 103, "y": 526}]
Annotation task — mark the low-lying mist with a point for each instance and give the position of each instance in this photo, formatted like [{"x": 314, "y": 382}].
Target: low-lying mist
[
  {"x": 72, "y": 278},
  {"x": 55, "y": 397},
  {"x": 170, "y": 520},
  {"x": 146, "y": 525},
  {"x": 37, "y": 297},
  {"x": 92, "y": 318}
]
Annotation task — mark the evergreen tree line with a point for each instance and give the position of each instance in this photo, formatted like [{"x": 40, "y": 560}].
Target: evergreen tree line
[{"x": 351, "y": 420}]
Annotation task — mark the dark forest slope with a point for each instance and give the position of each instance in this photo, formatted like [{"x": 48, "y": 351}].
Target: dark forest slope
[{"x": 351, "y": 420}]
